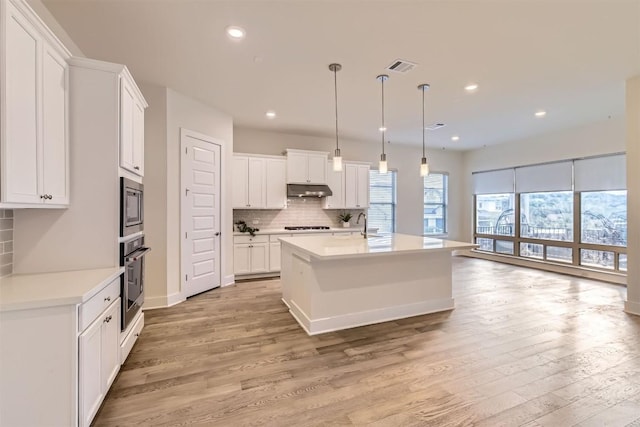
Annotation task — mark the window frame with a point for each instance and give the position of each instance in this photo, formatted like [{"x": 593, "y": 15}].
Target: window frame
[
  {"x": 444, "y": 204},
  {"x": 394, "y": 196}
]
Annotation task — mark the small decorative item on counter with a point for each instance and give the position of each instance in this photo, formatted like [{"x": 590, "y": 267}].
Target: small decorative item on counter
[
  {"x": 345, "y": 217},
  {"x": 244, "y": 228}
]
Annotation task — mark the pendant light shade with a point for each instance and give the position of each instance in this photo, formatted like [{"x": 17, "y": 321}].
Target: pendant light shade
[
  {"x": 337, "y": 157},
  {"x": 382, "y": 167},
  {"x": 424, "y": 165}
]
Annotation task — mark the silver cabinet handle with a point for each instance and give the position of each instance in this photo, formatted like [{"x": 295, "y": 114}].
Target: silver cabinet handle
[
  {"x": 49, "y": 196},
  {"x": 107, "y": 299}
]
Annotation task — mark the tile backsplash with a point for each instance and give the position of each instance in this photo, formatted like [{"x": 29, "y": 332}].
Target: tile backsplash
[
  {"x": 300, "y": 211},
  {"x": 6, "y": 242}
]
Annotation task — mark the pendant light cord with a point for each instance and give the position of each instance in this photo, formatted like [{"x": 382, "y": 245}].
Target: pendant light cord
[
  {"x": 423, "y": 121},
  {"x": 335, "y": 85},
  {"x": 382, "y": 81}
]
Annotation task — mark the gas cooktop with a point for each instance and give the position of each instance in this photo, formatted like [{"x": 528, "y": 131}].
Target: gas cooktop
[{"x": 307, "y": 227}]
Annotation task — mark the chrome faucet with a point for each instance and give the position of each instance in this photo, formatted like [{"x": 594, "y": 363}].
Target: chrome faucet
[{"x": 364, "y": 233}]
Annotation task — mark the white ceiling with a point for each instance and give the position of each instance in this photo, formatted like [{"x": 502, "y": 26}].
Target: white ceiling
[{"x": 568, "y": 57}]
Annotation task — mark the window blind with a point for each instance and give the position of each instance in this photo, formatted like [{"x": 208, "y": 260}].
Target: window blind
[
  {"x": 546, "y": 177},
  {"x": 493, "y": 182},
  {"x": 601, "y": 173}
]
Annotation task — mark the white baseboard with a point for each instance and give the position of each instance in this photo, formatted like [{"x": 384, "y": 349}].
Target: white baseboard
[
  {"x": 228, "y": 280},
  {"x": 175, "y": 298},
  {"x": 632, "y": 307},
  {"x": 151, "y": 303},
  {"x": 353, "y": 320}
]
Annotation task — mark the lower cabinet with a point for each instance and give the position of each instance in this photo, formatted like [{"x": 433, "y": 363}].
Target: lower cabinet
[
  {"x": 250, "y": 254},
  {"x": 99, "y": 361}
]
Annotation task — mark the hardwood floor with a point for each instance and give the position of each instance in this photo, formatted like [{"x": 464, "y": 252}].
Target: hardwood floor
[{"x": 523, "y": 347}]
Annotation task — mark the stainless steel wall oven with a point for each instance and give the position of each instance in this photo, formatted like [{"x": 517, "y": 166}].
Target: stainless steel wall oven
[
  {"x": 131, "y": 207},
  {"x": 132, "y": 254}
]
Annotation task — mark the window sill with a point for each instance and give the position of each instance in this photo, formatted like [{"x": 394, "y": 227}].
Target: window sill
[{"x": 571, "y": 270}]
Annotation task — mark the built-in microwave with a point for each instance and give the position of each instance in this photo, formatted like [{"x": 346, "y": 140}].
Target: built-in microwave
[{"x": 131, "y": 207}]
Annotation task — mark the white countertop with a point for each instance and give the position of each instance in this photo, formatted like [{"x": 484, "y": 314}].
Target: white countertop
[
  {"x": 337, "y": 247},
  {"x": 283, "y": 231},
  {"x": 27, "y": 291}
]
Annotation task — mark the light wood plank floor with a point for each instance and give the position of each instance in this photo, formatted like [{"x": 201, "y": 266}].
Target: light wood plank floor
[{"x": 522, "y": 347}]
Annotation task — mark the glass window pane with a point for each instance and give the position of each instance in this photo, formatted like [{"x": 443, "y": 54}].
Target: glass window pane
[
  {"x": 604, "y": 217},
  {"x": 547, "y": 215},
  {"x": 382, "y": 201},
  {"x": 623, "y": 262},
  {"x": 435, "y": 204},
  {"x": 558, "y": 254},
  {"x": 593, "y": 258},
  {"x": 531, "y": 250},
  {"x": 504, "y": 247},
  {"x": 494, "y": 214},
  {"x": 485, "y": 244}
]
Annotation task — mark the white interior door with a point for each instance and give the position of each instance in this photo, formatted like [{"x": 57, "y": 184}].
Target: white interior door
[{"x": 200, "y": 213}]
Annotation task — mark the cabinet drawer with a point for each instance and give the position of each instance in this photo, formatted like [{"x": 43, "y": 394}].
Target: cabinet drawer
[
  {"x": 251, "y": 239},
  {"x": 273, "y": 238},
  {"x": 131, "y": 338},
  {"x": 98, "y": 303}
]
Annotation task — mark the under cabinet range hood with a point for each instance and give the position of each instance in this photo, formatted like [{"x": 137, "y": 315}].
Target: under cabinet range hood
[{"x": 308, "y": 190}]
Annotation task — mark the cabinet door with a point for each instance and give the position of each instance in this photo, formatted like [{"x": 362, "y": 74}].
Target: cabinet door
[
  {"x": 241, "y": 258},
  {"x": 126, "y": 126},
  {"x": 335, "y": 181},
  {"x": 90, "y": 387},
  {"x": 259, "y": 257},
  {"x": 274, "y": 256},
  {"x": 276, "y": 184},
  {"x": 256, "y": 189},
  {"x": 138, "y": 138},
  {"x": 297, "y": 168},
  {"x": 55, "y": 148},
  {"x": 350, "y": 186},
  {"x": 363, "y": 186},
  {"x": 240, "y": 179},
  {"x": 110, "y": 344},
  {"x": 20, "y": 177},
  {"x": 317, "y": 168}
]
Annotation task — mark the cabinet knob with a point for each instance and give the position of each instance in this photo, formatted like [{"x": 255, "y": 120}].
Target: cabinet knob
[
  {"x": 49, "y": 196},
  {"x": 108, "y": 319},
  {"x": 42, "y": 196},
  {"x": 137, "y": 168},
  {"x": 107, "y": 299}
]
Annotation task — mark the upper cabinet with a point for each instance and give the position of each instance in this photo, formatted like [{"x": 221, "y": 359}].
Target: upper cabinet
[
  {"x": 119, "y": 116},
  {"x": 132, "y": 106},
  {"x": 306, "y": 167},
  {"x": 356, "y": 185},
  {"x": 34, "y": 111},
  {"x": 259, "y": 182}
]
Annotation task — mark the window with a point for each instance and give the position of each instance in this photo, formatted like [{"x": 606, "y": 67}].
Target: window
[
  {"x": 495, "y": 214},
  {"x": 435, "y": 203},
  {"x": 547, "y": 216},
  {"x": 603, "y": 215},
  {"x": 382, "y": 201}
]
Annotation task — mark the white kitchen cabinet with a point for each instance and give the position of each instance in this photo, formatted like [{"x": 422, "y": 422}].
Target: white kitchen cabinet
[
  {"x": 250, "y": 254},
  {"x": 306, "y": 167},
  {"x": 356, "y": 185},
  {"x": 60, "y": 347},
  {"x": 335, "y": 181},
  {"x": 132, "y": 106},
  {"x": 259, "y": 182},
  {"x": 34, "y": 111},
  {"x": 99, "y": 361}
]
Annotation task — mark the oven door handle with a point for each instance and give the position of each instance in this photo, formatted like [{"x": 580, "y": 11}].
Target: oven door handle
[{"x": 137, "y": 255}]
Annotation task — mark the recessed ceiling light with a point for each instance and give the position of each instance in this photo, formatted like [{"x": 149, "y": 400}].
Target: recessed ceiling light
[
  {"x": 236, "y": 33},
  {"x": 270, "y": 114},
  {"x": 455, "y": 138},
  {"x": 541, "y": 113},
  {"x": 382, "y": 129},
  {"x": 471, "y": 87}
]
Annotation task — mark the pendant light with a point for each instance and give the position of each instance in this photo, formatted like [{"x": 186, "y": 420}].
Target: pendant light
[
  {"x": 337, "y": 158},
  {"x": 382, "y": 168},
  {"x": 424, "y": 166}
]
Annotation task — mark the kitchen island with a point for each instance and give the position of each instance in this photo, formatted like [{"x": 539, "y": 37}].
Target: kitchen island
[{"x": 331, "y": 283}]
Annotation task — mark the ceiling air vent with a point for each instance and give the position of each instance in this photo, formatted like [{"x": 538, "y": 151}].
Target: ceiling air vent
[
  {"x": 435, "y": 126},
  {"x": 401, "y": 66}
]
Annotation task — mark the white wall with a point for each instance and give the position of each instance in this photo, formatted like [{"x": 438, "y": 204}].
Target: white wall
[
  {"x": 41, "y": 10},
  {"x": 633, "y": 195},
  {"x": 597, "y": 138},
  {"x": 404, "y": 158}
]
